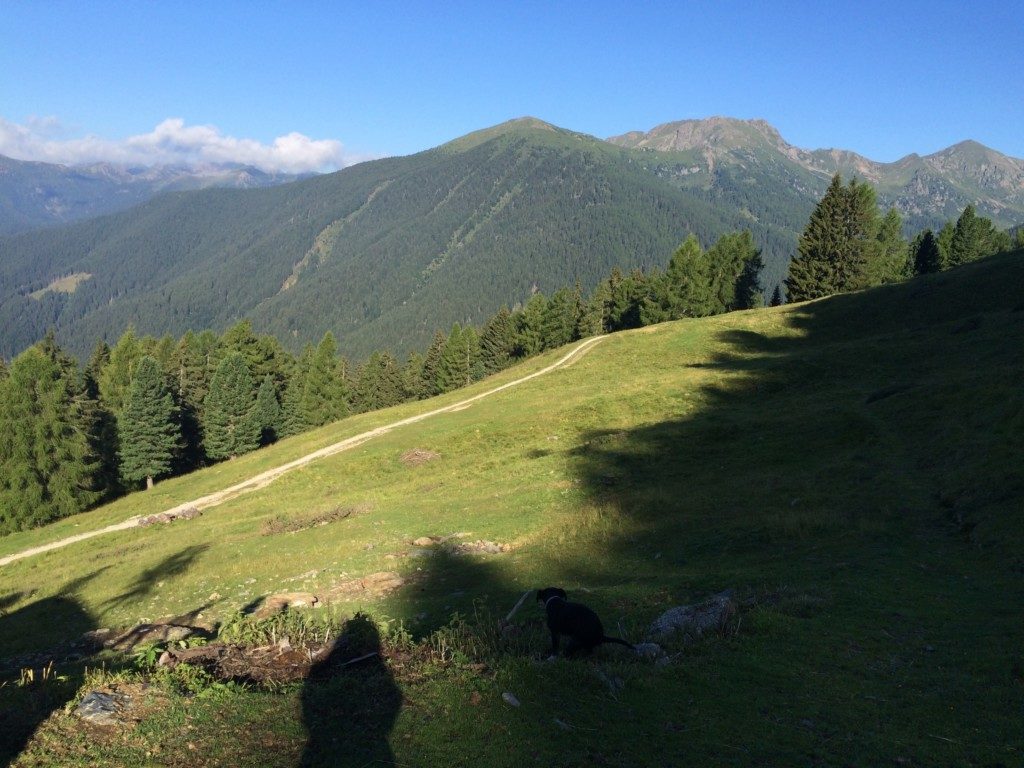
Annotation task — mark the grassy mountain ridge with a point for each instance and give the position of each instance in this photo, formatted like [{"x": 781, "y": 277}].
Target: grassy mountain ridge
[{"x": 849, "y": 466}]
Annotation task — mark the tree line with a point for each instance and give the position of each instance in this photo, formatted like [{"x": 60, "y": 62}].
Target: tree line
[
  {"x": 848, "y": 244},
  {"x": 147, "y": 408}
]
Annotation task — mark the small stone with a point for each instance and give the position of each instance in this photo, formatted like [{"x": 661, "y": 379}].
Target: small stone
[
  {"x": 214, "y": 596},
  {"x": 423, "y": 541},
  {"x": 101, "y": 708},
  {"x": 648, "y": 650},
  {"x": 510, "y": 699}
]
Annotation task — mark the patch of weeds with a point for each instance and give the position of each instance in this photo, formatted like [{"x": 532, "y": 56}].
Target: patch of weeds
[
  {"x": 283, "y": 524},
  {"x": 302, "y": 628}
]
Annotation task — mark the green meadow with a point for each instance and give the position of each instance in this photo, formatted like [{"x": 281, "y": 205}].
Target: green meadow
[{"x": 852, "y": 467}]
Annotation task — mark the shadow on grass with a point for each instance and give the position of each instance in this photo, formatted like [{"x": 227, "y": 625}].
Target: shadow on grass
[
  {"x": 34, "y": 685},
  {"x": 146, "y": 582},
  {"x": 350, "y": 702}
]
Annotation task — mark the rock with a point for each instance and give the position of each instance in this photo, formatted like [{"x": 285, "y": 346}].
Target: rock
[
  {"x": 510, "y": 699},
  {"x": 379, "y": 583},
  {"x": 274, "y": 604},
  {"x": 416, "y": 456},
  {"x": 648, "y": 650},
  {"x": 101, "y": 708},
  {"x": 423, "y": 541},
  {"x": 694, "y": 621}
]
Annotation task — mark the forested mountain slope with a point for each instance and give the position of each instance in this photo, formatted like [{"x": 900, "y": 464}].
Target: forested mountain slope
[{"x": 381, "y": 253}]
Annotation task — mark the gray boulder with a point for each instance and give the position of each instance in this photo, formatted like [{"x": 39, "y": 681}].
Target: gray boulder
[{"x": 694, "y": 621}]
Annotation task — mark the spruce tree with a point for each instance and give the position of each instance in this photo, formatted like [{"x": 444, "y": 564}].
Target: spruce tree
[
  {"x": 412, "y": 377},
  {"x": 888, "y": 262},
  {"x": 267, "y": 411},
  {"x": 116, "y": 376},
  {"x": 945, "y": 242},
  {"x": 497, "y": 342},
  {"x": 293, "y": 419},
  {"x": 325, "y": 395},
  {"x": 734, "y": 264},
  {"x": 837, "y": 244},
  {"x": 927, "y": 257},
  {"x": 530, "y": 326},
  {"x": 47, "y": 467},
  {"x": 432, "y": 365},
  {"x": 777, "y": 300},
  {"x": 560, "y": 319},
  {"x": 965, "y": 245},
  {"x": 453, "y": 371},
  {"x": 689, "y": 290},
  {"x": 378, "y": 383},
  {"x": 229, "y": 426},
  {"x": 148, "y": 429}
]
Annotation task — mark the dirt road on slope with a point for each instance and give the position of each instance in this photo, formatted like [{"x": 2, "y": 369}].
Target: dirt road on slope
[{"x": 265, "y": 478}]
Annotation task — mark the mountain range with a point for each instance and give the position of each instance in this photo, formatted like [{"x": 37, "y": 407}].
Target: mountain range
[
  {"x": 34, "y": 195},
  {"x": 384, "y": 252}
]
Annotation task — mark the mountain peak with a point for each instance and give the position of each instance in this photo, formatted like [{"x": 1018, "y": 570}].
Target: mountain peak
[
  {"x": 518, "y": 126},
  {"x": 711, "y": 132}
]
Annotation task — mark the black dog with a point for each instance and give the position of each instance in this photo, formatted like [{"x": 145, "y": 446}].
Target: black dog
[{"x": 575, "y": 620}]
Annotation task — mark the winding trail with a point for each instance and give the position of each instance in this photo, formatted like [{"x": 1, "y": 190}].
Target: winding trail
[{"x": 265, "y": 478}]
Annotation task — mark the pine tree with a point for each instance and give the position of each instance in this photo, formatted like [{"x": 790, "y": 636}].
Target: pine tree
[
  {"x": 777, "y": 300},
  {"x": 325, "y": 395},
  {"x": 497, "y": 342},
  {"x": 927, "y": 257},
  {"x": 689, "y": 291},
  {"x": 229, "y": 426},
  {"x": 412, "y": 377},
  {"x": 267, "y": 411},
  {"x": 888, "y": 262},
  {"x": 47, "y": 467},
  {"x": 148, "y": 428},
  {"x": 116, "y": 376},
  {"x": 837, "y": 243},
  {"x": 966, "y": 244},
  {"x": 561, "y": 316},
  {"x": 102, "y": 424},
  {"x": 293, "y": 420},
  {"x": 734, "y": 264},
  {"x": 530, "y": 326},
  {"x": 432, "y": 365},
  {"x": 378, "y": 383},
  {"x": 945, "y": 242},
  {"x": 453, "y": 371}
]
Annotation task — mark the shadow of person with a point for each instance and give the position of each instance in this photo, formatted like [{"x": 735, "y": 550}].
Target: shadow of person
[
  {"x": 28, "y": 700},
  {"x": 350, "y": 701}
]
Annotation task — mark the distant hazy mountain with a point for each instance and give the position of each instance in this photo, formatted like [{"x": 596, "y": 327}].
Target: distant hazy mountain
[
  {"x": 926, "y": 190},
  {"x": 42, "y": 194},
  {"x": 385, "y": 252}
]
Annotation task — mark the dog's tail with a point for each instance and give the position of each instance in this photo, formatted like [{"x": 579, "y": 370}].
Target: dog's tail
[{"x": 607, "y": 639}]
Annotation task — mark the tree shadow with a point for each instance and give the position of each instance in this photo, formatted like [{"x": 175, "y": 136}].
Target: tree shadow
[
  {"x": 172, "y": 565},
  {"x": 350, "y": 701},
  {"x": 34, "y": 685}
]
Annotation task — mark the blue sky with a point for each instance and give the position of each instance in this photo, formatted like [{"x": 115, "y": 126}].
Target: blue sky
[{"x": 352, "y": 80}]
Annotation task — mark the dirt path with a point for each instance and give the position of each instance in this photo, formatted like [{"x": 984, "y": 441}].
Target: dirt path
[{"x": 265, "y": 478}]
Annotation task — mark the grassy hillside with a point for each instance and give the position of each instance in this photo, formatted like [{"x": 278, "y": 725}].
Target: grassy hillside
[{"x": 849, "y": 466}]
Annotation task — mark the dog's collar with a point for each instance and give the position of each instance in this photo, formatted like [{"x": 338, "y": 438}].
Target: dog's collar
[{"x": 553, "y": 597}]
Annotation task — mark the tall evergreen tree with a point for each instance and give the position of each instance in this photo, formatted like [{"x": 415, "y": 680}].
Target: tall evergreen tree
[
  {"x": 325, "y": 395},
  {"x": 530, "y": 326},
  {"x": 47, "y": 466},
  {"x": 413, "y": 385},
  {"x": 432, "y": 365},
  {"x": 966, "y": 244},
  {"x": 229, "y": 428},
  {"x": 777, "y": 300},
  {"x": 560, "y": 319},
  {"x": 454, "y": 371},
  {"x": 734, "y": 264},
  {"x": 837, "y": 243},
  {"x": 927, "y": 257},
  {"x": 148, "y": 428},
  {"x": 688, "y": 289},
  {"x": 267, "y": 411},
  {"x": 497, "y": 342},
  {"x": 378, "y": 383},
  {"x": 945, "y": 242},
  {"x": 116, "y": 376},
  {"x": 102, "y": 429},
  {"x": 293, "y": 419},
  {"x": 888, "y": 262}
]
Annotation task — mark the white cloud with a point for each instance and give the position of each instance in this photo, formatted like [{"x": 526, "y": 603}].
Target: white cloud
[{"x": 171, "y": 143}]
